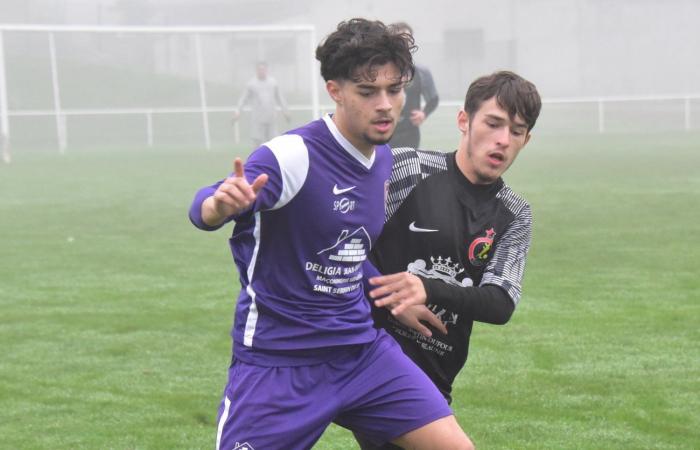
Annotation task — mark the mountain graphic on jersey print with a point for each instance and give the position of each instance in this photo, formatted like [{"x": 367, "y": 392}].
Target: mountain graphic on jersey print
[{"x": 349, "y": 247}]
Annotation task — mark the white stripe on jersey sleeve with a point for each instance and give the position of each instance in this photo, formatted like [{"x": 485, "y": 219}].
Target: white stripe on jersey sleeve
[
  {"x": 293, "y": 158},
  {"x": 508, "y": 263}
]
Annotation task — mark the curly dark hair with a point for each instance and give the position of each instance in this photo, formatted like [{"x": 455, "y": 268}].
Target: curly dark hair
[
  {"x": 513, "y": 93},
  {"x": 355, "y": 49}
]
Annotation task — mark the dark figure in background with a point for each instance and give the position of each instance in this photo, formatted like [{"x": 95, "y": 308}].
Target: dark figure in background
[{"x": 413, "y": 115}]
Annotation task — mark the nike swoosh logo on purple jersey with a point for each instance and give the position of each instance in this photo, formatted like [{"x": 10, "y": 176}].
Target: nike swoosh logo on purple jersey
[{"x": 338, "y": 191}]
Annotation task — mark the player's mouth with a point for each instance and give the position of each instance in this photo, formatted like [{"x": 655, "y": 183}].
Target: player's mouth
[
  {"x": 383, "y": 125},
  {"x": 496, "y": 158}
]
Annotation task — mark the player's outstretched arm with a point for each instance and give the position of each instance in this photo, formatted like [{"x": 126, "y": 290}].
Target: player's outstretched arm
[
  {"x": 233, "y": 196},
  {"x": 401, "y": 291}
]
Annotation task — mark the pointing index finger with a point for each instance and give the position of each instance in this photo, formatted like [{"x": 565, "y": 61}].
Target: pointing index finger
[{"x": 238, "y": 168}]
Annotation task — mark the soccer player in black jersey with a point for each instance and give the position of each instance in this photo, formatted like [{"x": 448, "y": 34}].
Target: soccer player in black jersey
[{"x": 456, "y": 236}]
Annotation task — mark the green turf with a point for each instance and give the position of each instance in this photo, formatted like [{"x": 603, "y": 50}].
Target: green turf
[{"x": 115, "y": 311}]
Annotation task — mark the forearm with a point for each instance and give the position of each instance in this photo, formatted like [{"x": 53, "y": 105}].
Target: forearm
[
  {"x": 199, "y": 215},
  {"x": 210, "y": 216},
  {"x": 488, "y": 304},
  {"x": 430, "y": 105}
]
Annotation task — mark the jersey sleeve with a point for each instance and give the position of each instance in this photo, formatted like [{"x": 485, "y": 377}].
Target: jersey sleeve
[
  {"x": 410, "y": 167},
  {"x": 284, "y": 160},
  {"x": 508, "y": 263},
  {"x": 488, "y": 304},
  {"x": 196, "y": 207},
  {"x": 263, "y": 161}
]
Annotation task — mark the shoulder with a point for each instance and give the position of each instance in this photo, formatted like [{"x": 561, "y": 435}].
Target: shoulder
[
  {"x": 432, "y": 160},
  {"x": 514, "y": 202},
  {"x": 288, "y": 151},
  {"x": 291, "y": 155}
]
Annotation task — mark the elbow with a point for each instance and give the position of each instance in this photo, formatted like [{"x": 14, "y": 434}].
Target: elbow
[
  {"x": 505, "y": 318},
  {"x": 505, "y": 314}
]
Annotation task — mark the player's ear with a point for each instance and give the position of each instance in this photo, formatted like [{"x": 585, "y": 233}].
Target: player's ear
[
  {"x": 333, "y": 88},
  {"x": 463, "y": 121}
]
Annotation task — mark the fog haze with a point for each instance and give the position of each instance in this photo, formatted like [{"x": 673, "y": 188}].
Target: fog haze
[{"x": 567, "y": 47}]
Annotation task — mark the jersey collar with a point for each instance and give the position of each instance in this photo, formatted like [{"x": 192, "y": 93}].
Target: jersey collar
[{"x": 347, "y": 146}]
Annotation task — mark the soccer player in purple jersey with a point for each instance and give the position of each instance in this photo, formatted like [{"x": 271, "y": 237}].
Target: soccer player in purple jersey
[{"x": 308, "y": 206}]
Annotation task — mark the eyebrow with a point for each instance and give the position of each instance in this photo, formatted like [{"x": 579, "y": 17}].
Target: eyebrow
[
  {"x": 362, "y": 85},
  {"x": 502, "y": 119}
]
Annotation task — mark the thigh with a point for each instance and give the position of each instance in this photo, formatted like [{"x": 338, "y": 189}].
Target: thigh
[
  {"x": 366, "y": 443},
  {"x": 274, "y": 407},
  {"x": 444, "y": 433},
  {"x": 388, "y": 395}
]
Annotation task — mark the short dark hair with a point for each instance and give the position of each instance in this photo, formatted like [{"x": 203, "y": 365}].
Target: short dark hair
[
  {"x": 358, "y": 46},
  {"x": 513, "y": 93}
]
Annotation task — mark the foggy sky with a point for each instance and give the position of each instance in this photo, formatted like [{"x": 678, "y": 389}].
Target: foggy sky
[{"x": 567, "y": 47}]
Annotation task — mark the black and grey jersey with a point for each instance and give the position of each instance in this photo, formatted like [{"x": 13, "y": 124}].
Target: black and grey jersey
[{"x": 462, "y": 239}]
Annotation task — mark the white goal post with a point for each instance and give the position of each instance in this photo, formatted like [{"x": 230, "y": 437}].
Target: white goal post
[{"x": 193, "y": 37}]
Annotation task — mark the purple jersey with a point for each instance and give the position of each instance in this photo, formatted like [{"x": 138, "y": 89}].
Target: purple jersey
[{"x": 300, "y": 249}]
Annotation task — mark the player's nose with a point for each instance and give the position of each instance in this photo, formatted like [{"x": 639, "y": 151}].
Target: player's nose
[
  {"x": 503, "y": 136},
  {"x": 384, "y": 101}
]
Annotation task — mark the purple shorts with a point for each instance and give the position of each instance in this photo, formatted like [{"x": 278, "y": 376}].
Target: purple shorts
[{"x": 372, "y": 389}]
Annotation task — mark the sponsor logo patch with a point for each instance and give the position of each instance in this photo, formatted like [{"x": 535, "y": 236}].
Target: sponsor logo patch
[{"x": 480, "y": 248}]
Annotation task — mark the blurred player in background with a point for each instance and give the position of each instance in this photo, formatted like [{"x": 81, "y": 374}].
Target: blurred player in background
[
  {"x": 308, "y": 207},
  {"x": 456, "y": 236},
  {"x": 263, "y": 95},
  {"x": 421, "y": 100}
]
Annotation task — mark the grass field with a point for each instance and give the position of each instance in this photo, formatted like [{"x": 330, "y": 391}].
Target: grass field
[{"x": 115, "y": 311}]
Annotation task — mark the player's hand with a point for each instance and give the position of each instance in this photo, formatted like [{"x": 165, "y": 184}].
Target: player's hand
[
  {"x": 414, "y": 316},
  {"x": 236, "y": 115},
  {"x": 398, "y": 291},
  {"x": 235, "y": 195},
  {"x": 417, "y": 117}
]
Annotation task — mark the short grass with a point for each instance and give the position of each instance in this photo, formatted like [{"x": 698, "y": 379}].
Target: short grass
[{"x": 115, "y": 311}]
